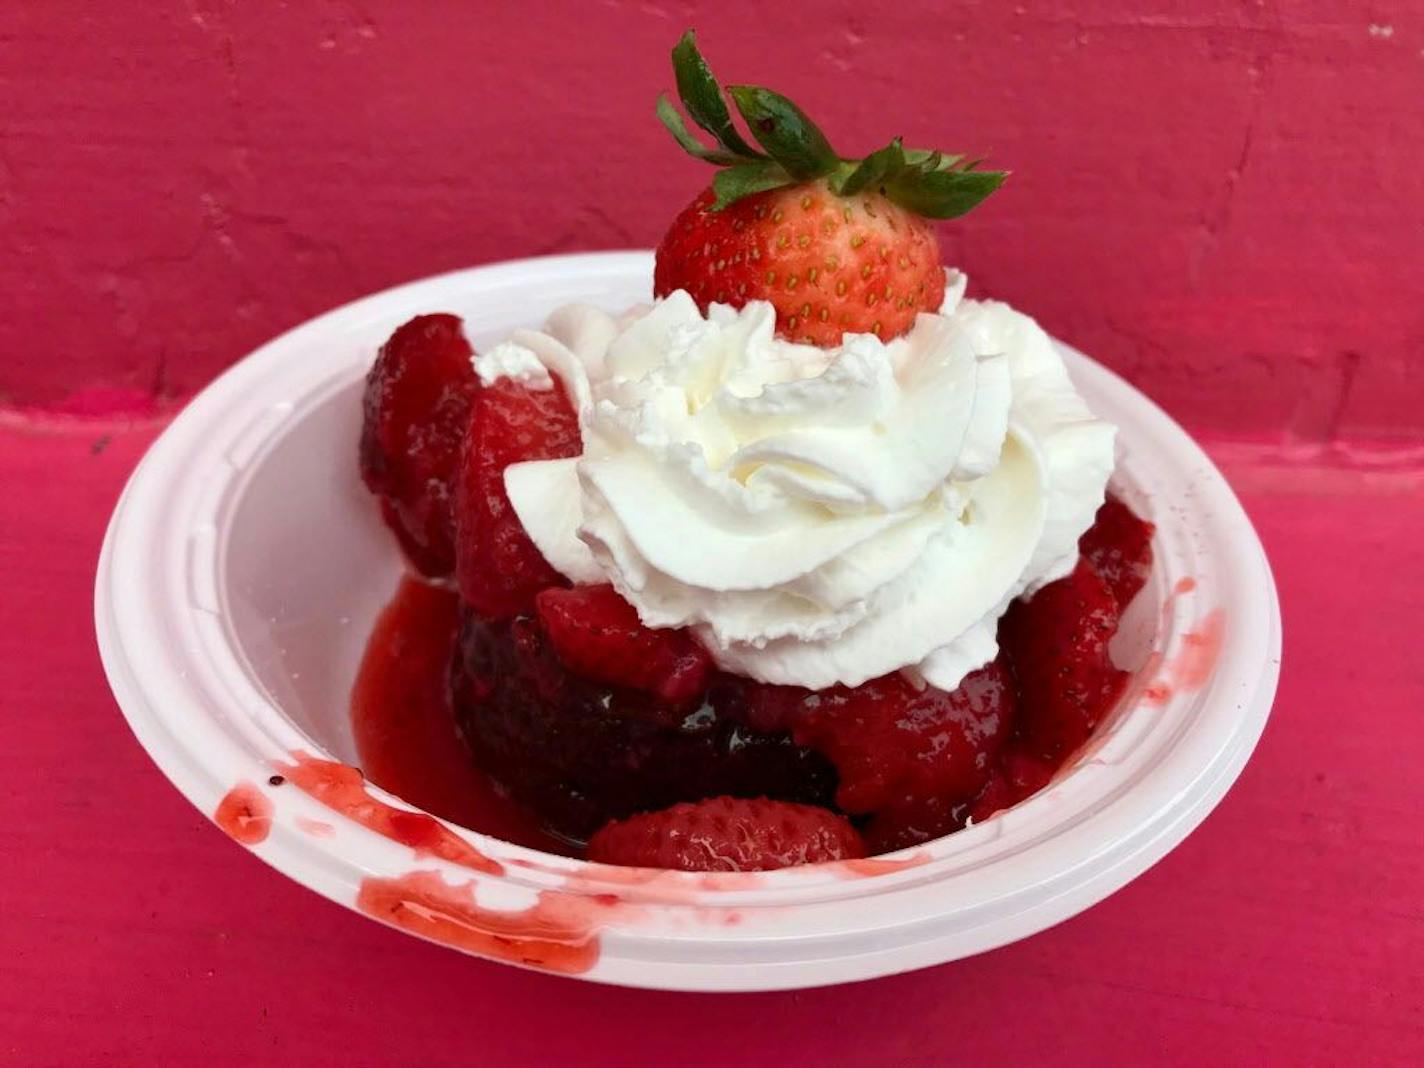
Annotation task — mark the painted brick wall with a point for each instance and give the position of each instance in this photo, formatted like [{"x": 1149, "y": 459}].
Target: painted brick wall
[{"x": 1223, "y": 199}]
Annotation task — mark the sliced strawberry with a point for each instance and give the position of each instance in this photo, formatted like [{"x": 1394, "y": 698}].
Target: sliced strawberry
[
  {"x": 1018, "y": 774},
  {"x": 1119, "y": 546},
  {"x": 727, "y": 834},
  {"x": 1057, "y": 642},
  {"x": 912, "y": 820},
  {"x": 597, "y": 634},
  {"x": 911, "y": 756},
  {"x": 417, "y": 410},
  {"x": 498, "y": 567}
]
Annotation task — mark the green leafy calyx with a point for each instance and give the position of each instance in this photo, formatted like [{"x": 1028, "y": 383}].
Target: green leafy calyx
[{"x": 794, "y": 150}]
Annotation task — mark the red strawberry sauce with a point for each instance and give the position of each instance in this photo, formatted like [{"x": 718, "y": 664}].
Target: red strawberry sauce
[
  {"x": 405, "y": 730},
  {"x": 245, "y": 813},
  {"x": 342, "y": 789},
  {"x": 558, "y": 933}
]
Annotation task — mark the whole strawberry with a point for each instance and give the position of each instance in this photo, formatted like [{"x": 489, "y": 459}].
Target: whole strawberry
[{"x": 836, "y": 245}]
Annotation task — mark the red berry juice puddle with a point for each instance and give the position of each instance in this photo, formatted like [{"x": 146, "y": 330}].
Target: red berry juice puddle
[
  {"x": 245, "y": 813},
  {"x": 342, "y": 789},
  {"x": 558, "y": 933},
  {"x": 405, "y": 730}
]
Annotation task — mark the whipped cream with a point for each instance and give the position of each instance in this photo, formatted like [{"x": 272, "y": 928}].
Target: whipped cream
[
  {"x": 815, "y": 516},
  {"x": 509, "y": 359}
]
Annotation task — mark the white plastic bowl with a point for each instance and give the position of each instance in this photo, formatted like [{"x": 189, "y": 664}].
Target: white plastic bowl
[{"x": 245, "y": 564}]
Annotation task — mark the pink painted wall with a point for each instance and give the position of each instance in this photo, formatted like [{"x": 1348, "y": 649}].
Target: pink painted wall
[{"x": 1222, "y": 198}]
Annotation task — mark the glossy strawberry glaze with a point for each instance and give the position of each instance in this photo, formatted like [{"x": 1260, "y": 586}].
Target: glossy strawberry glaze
[
  {"x": 342, "y": 789},
  {"x": 405, "y": 732},
  {"x": 558, "y": 933}
]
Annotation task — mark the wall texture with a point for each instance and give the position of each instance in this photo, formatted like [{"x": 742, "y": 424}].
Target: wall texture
[{"x": 1224, "y": 199}]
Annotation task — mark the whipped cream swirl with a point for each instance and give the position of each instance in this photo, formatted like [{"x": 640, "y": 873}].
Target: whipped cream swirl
[{"x": 815, "y": 516}]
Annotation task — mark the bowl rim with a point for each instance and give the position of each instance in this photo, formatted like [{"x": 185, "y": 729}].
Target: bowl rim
[{"x": 163, "y": 641}]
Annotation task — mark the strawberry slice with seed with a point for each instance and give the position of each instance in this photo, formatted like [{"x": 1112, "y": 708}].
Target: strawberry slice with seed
[
  {"x": 597, "y": 634},
  {"x": 727, "y": 834}
]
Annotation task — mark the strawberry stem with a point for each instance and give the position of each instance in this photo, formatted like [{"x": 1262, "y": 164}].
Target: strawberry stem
[{"x": 928, "y": 182}]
